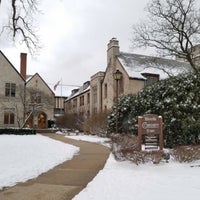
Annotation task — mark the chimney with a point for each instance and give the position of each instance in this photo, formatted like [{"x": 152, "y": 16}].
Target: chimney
[
  {"x": 112, "y": 51},
  {"x": 23, "y": 57}
]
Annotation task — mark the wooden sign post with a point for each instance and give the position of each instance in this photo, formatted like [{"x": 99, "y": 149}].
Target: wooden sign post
[{"x": 151, "y": 126}]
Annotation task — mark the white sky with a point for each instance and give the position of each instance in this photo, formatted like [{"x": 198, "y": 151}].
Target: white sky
[{"x": 75, "y": 35}]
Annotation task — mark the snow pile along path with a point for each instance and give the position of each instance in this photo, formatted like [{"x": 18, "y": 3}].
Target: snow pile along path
[
  {"x": 91, "y": 138},
  {"x": 26, "y": 157}
]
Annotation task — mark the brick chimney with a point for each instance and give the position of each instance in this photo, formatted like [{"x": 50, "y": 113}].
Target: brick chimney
[{"x": 23, "y": 57}]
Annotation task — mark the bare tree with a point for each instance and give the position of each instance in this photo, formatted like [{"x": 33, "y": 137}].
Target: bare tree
[
  {"x": 20, "y": 23},
  {"x": 172, "y": 28}
]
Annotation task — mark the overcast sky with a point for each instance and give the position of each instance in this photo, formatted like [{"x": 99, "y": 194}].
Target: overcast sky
[{"x": 75, "y": 35}]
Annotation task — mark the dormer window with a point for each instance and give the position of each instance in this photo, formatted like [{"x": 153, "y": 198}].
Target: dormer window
[{"x": 150, "y": 78}]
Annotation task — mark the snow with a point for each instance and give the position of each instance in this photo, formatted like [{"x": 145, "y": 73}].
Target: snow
[
  {"x": 127, "y": 181},
  {"x": 116, "y": 181},
  {"x": 135, "y": 65},
  {"x": 124, "y": 180},
  {"x": 26, "y": 157},
  {"x": 91, "y": 138}
]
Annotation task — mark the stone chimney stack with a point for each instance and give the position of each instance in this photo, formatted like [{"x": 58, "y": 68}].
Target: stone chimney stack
[
  {"x": 112, "y": 51},
  {"x": 23, "y": 58}
]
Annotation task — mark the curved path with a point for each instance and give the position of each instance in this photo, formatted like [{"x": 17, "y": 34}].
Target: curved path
[{"x": 65, "y": 180}]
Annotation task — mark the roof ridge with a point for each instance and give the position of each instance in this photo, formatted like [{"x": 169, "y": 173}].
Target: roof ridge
[{"x": 151, "y": 56}]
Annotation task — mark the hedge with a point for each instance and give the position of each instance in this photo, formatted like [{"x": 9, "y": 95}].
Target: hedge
[{"x": 15, "y": 131}]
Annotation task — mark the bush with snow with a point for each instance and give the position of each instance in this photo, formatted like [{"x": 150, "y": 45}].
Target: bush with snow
[
  {"x": 187, "y": 153},
  {"x": 125, "y": 147},
  {"x": 176, "y": 99}
]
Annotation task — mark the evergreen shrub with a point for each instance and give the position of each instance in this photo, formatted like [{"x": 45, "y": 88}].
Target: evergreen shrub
[{"x": 176, "y": 99}]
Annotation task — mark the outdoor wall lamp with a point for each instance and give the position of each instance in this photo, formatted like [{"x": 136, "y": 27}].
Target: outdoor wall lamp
[{"x": 117, "y": 76}]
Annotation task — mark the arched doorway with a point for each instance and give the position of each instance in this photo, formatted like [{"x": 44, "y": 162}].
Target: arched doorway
[{"x": 42, "y": 120}]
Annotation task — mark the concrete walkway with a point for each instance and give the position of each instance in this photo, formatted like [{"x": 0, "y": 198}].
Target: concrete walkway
[{"x": 67, "y": 179}]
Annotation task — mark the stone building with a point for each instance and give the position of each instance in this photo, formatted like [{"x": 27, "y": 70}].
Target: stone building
[
  {"x": 195, "y": 56},
  {"x": 23, "y": 98},
  {"x": 12, "y": 88},
  {"x": 79, "y": 101},
  {"x": 96, "y": 82},
  {"x": 59, "y": 106},
  {"x": 39, "y": 102},
  {"x": 137, "y": 71}
]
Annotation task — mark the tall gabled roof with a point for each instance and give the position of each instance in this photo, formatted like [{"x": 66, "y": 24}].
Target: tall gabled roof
[
  {"x": 11, "y": 64},
  {"x": 135, "y": 65},
  {"x": 29, "y": 77}
]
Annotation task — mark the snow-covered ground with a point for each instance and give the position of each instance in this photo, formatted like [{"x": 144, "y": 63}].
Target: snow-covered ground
[
  {"x": 91, "y": 138},
  {"x": 117, "y": 181},
  {"x": 26, "y": 157},
  {"x": 127, "y": 181}
]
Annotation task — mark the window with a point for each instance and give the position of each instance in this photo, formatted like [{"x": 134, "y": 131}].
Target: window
[
  {"x": 9, "y": 116},
  {"x": 35, "y": 97},
  {"x": 74, "y": 103},
  {"x": 10, "y": 89},
  {"x": 88, "y": 98},
  {"x": 105, "y": 90},
  {"x": 151, "y": 78},
  {"x": 81, "y": 100},
  {"x": 38, "y": 99},
  {"x": 94, "y": 110}
]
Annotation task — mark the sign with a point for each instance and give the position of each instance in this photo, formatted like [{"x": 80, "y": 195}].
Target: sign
[{"x": 150, "y": 125}]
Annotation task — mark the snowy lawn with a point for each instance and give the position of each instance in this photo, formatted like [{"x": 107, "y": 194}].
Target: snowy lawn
[
  {"x": 26, "y": 157},
  {"x": 117, "y": 181},
  {"x": 127, "y": 181}
]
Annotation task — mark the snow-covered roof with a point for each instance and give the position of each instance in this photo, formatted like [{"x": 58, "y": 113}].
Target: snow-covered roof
[
  {"x": 84, "y": 88},
  {"x": 135, "y": 65}
]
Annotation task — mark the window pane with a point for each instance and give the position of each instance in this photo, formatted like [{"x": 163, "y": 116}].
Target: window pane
[
  {"x": 81, "y": 100},
  {"x": 105, "y": 90},
  {"x": 13, "y": 89},
  {"x": 9, "y": 116},
  {"x": 6, "y": 118},
  {"x": 74, "y": 103},
  {"x": 10, "y": 89},
  {"x": 88, "y": 98},
  {"x": 7, "y": 89},
  {"x": 12, "y": 118}
]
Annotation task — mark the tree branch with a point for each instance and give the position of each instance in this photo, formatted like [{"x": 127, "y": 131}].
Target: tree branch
[
  {"x": 21, "y": 23},
  {"x": 173, "y": 28}
]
